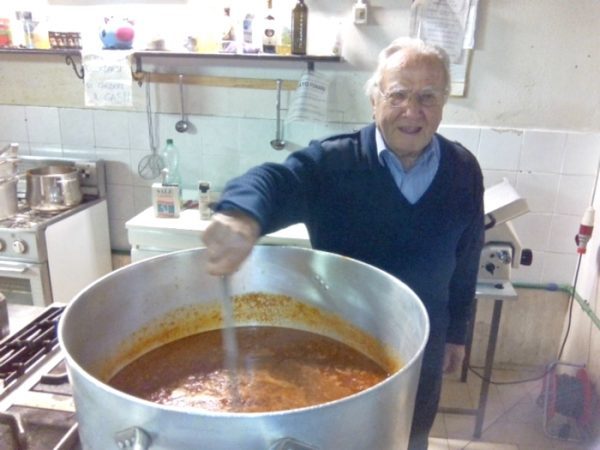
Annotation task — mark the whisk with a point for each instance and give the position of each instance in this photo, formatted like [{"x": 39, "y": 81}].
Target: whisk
[{"x": 150, "y": 166}]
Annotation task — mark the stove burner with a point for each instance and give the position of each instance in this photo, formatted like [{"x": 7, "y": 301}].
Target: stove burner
[
  {"x": 20, "y": 352},
  {"x": 26, "y": 217}
]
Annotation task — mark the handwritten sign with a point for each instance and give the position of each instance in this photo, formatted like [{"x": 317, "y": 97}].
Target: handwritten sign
[{"x": 107, "y": 80}]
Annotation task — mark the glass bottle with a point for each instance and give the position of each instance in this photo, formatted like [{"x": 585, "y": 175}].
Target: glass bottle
[
  {"x": 171, "y": 159},
  {"x": 269, "y": 44},
  {"x": 299, "y": 28}
]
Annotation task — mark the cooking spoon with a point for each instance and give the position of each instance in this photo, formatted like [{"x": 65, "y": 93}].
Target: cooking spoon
[
  {"x": 230, "y": 339},
  {"x": 181, "y": 125}
]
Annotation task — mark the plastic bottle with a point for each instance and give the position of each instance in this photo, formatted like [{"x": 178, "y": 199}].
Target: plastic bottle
[
  {"x": 171, "y": 158},
  {"x": 299, "y": 28}
]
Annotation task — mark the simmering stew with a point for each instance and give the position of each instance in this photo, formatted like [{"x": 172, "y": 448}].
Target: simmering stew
[{"x": 277, "y": 369}]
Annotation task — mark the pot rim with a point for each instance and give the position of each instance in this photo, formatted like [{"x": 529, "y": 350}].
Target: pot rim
[
  {"x": 72, "y": 364},
  {"x": 53, "y": 170}
]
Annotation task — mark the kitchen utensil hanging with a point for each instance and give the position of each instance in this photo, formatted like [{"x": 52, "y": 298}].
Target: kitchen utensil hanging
[
  {"x": 182, "y": 125},
  {"x": 278, "y": 143},
  {"x": 151, "y": 165}
]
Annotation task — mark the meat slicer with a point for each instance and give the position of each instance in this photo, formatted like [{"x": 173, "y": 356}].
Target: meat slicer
[{"x": 502, "y": 250}]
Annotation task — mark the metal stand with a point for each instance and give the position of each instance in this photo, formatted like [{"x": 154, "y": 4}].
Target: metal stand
[{"x": 485, "y": 291}]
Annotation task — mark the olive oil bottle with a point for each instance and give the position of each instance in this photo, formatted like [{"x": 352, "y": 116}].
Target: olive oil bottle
[{"x": 299, "y": 28}]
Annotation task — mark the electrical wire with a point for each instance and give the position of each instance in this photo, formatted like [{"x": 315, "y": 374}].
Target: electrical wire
[
  {"x": 562, "y": 346},
  {"x": 550, "y": 367}
]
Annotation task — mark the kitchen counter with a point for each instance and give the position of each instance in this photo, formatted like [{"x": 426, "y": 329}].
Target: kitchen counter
[{"x": 150, "y": 235}]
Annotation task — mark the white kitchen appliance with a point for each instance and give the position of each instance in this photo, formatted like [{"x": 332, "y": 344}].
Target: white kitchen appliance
[
  {"x": 151, "y": 236},
  {"x": 502, "y": 250},
  {"x": 48, "y": 256}
]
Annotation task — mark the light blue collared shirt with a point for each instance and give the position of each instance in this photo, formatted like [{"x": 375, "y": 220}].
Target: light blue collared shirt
[{"x": 414, "y": 182}]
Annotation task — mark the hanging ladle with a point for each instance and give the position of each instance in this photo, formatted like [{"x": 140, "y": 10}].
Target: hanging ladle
[
  {"x": 278, "y": 143},
  {"x": 182, "y": 125}
]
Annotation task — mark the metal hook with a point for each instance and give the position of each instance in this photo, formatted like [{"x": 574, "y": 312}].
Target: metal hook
[{"x": 78, "y": 72}]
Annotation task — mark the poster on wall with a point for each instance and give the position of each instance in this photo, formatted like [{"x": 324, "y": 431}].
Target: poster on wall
[
  {"x": 451, "y": 25},
  {"x": 107, "y": 79}
]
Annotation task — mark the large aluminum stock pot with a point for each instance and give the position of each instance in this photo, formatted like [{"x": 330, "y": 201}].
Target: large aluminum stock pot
[{"x": 110, "y": 318}]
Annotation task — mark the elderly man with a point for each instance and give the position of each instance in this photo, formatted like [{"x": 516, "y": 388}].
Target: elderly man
[{"x": 394, "y": 194}]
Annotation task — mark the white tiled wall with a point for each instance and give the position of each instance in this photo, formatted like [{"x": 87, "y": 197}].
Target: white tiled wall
[{"x": 554, "y": 170}]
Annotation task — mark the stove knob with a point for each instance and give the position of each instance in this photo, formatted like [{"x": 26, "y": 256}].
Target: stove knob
[
  {"x": 2, "y": 245},
  {"x": 19, "y": 246}
]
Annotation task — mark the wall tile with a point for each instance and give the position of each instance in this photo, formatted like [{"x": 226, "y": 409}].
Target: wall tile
[
  {"x": 542, "y": 151},
  {"x": 139, "y": 134},
  {"x": 190, "y": 141},
  {"x": 120, "y": 202},
  {"x": 562, "y": 234},
  {"x": 467, "y": 136},
  {"x": 532, "y": 273},
  {"x": 111, "y": 129},
  {"x": 499, "y": 149},
  {"x": 533, "y": 230},
  {"x": 539, "y": 189},
  {"x": 51, "y": 151},
  {"x": 43, "y": 125},
  {"x": 559, "y": 268},
  {"x": 13, "y": 125},
  {"x": 118, "y": 165},
  {"x": 493, "y": 177},
  {"x": 582, "y": 153},
  {"x": 574, "y": 194},
  {"x": 77, "y": 127}
]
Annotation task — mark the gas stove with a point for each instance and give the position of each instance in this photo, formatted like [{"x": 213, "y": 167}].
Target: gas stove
[
  {"x": 36, "y": 406},
  {"x": 36, "y": 267}
]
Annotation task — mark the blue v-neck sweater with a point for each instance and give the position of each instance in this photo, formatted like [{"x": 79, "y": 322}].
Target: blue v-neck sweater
[{"x": 351, "y": 206}]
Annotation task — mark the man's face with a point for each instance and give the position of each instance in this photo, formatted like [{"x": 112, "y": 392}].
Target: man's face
[{"x": 413, "y": 83}]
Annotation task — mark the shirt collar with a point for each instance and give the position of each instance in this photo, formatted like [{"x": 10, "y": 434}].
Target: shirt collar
[{"x": 431, "y": 151}]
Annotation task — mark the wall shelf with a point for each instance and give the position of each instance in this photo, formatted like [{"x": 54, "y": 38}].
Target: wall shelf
[{"x": 138, "y": 57}]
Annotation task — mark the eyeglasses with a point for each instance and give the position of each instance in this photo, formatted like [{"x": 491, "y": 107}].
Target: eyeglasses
[{"x": 425, "y": 98}]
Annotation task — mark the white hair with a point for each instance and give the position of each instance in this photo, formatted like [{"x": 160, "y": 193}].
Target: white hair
[{"x": 404, "y": 43}]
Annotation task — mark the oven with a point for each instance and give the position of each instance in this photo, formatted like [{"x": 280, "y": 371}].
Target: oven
[{"x": 49, "y": 256}]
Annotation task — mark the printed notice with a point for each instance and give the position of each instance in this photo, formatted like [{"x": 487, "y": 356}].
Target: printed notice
[
  {"x": 107, "y": 78},
  {"x": 449, "y": 24},
  {"x": 310, "y": 99}
]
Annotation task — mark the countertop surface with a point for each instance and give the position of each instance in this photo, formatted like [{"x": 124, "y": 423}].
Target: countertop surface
[{"x": 189, "y": 221}]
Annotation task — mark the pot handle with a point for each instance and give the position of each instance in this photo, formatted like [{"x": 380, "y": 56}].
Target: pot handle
[
  {"x": 291, "y": 444},
  {"x": 133, "y": 438}
]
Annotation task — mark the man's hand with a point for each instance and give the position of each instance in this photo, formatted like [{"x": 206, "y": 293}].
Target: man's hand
[
  {"x": 453, "y": 357},
  {"x": 229, "y": 240}
]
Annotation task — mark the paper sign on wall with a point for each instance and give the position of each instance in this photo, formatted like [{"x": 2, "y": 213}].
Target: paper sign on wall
[
  {"x": 107, "y": 80},
  {"x": 449, "y": 24},
  {"x": 310, "y": 99}
]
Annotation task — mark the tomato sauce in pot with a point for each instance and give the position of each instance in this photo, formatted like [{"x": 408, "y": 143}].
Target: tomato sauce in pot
[{"x": 278, "y": 368}]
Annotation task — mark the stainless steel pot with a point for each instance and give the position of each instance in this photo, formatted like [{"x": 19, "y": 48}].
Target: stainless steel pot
[
  {"x": 8, "y": 197},
  {"x": 117, "y": 312},
  {"x": 53, "y": 188}
]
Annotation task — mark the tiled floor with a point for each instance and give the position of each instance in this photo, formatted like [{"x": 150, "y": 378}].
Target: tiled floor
[{"x": 513, "y": 420}]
